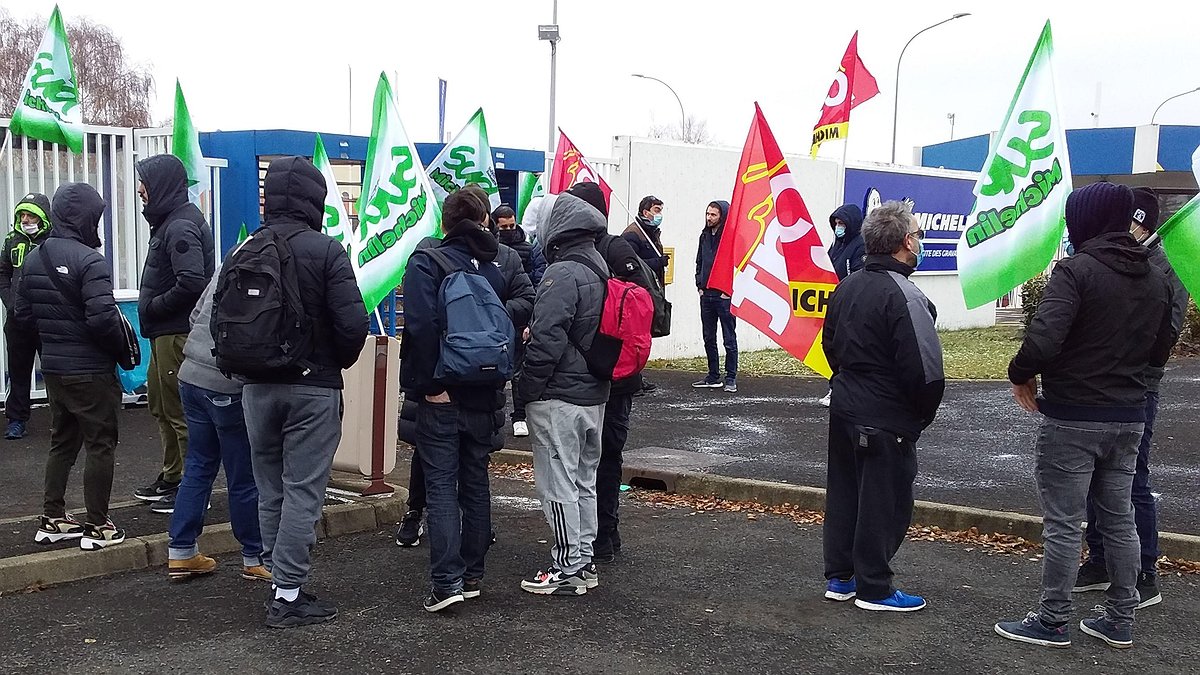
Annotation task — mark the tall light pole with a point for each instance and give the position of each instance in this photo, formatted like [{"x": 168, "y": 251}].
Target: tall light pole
[
  {"x": 682, "y": 115},
  {"x": 950, "y": 116},
  {"x": 1160, "y": 105},
  {"x": 896, "y": 102},
  {"x": 549, "y": 32}
]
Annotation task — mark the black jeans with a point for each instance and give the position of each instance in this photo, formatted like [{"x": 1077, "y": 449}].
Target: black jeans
[
  {"x": 453, "y": 445},
  {"x": 518, "y": 413},
  {"x": 83, "y": 413},
  {"x": 1145, "y": 509},
  {"x": 868, "y": 504},
  {"x": 416, "y": 484},
  {"x": 608, "y": 474},
  {"x": 714, "y": 309},
  {"x": 22, "y": 344}
]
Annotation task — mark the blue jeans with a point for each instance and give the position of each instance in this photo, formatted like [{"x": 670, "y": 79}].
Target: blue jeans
[
  {"x": 714, "y": 308},
  {"x": 453, "y": 445},
  {"x": 216, "y": 437},
  {"x": 1145, "y": 510}
]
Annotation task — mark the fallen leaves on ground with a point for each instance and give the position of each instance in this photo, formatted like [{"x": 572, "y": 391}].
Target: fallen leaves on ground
[{"x": 972, "y": 539}]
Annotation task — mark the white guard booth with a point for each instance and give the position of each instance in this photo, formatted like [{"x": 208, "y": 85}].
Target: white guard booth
[{"x": 372, "y": 402}]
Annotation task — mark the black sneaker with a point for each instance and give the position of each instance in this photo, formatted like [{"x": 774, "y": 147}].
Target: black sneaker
[
  {"x": 591, "y": 576},
  {"x": 166, "y": 505},
  {"x": 707, "y": 383},
  {"x": 1147, "y": 588},
  {"x": 439, "y": 600},
  {"x": 553, "y": 581},
  {"x": 604, "y": 557},
  {"x": 410, "y": 530},
  {"x": 15, "y": 431},
  {"x": 472, "y": 588},
  {"x": 305, "y": 610},
  {"x": 1091, "y": 577},
  {"x": 96, "y": 537},
  {"x": 158, "y": 490}
]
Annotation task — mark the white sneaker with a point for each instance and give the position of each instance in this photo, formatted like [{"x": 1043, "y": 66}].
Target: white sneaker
[
  {"x": 824, "y": 400},
  {"x": 520, "y": 428}
]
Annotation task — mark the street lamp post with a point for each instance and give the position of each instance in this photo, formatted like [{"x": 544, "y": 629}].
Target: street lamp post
[
  {"x": 549, "y": 32},
  {"x": 1160, "y": 105},
  {"x": 896, "y": 101},
  {"x": 682, "y": 115}
]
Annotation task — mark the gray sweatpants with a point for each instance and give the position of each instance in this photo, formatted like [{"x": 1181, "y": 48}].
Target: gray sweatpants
[
  {"x": 566, "y": 453},
  {"x": 1071, "y": 457},
  {"x": 294, "y": 431}
]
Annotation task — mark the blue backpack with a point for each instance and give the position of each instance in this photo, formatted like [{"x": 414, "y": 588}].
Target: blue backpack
[{"x": 478, "y": 337}]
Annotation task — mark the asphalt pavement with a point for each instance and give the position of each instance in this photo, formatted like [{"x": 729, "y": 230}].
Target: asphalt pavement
[{"x": 692, "y": 593}]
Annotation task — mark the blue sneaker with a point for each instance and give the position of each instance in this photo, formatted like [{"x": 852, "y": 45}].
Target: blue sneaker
[
  {"x": 839, "y": 590},
  {"x": 1116, "y": 634},
  {"x": 15, "y": 430},
  {"x": 1031, "y": 630},
  {"x": 896, "y": 602}
]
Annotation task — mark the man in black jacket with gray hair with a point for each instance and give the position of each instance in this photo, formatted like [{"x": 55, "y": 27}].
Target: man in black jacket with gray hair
[{"x": 887, "y": 385}]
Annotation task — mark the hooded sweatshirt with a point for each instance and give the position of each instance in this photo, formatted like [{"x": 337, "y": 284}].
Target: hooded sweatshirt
[
  {"x": 706, "y": 252},
  {"x": 848, "y": 250},
  {"x": 199, "y": 367},
  {"x": 80, "y": 328},
  {"x": 294, "y": 205},
  {"x": 180, "y": 258},
  {"x": 18, "y": 245},
  {"x": 1105, "y": 316},
  {"x": 570, "y": 301}
]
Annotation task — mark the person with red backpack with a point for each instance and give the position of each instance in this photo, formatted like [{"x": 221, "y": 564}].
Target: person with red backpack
[{"x": 565, "y": 397}]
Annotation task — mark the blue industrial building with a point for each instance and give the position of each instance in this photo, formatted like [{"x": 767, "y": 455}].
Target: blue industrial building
[{"x": 247, "y": 153}]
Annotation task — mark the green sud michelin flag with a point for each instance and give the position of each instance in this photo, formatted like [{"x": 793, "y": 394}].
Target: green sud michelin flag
[
  {"x": 48, "y": 106},
  {"x": 529, "y": 186},
  {"x": 464, "y": 161},
  {"x": 1021, "y": 196},
  {"x": 396, "y": 209},
  {"x": 336, "y": 223},
  {"x": 1181, "y": 238},
  {"x": 185, "y": 144}
]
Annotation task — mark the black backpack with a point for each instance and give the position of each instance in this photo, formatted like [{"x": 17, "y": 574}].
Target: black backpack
[{"x": 259, "y": 326}]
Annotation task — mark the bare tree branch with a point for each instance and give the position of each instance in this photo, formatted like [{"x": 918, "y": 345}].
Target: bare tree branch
[
  {"x": 112, "y": 90},
  {"x": 694, "y": 132}
]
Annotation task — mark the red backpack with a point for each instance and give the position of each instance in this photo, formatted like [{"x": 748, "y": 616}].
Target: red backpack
[{"x": 621, "y": 345}]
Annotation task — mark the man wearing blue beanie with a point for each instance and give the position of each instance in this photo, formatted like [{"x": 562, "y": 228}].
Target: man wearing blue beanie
[{"x": 1104, "y": 318}]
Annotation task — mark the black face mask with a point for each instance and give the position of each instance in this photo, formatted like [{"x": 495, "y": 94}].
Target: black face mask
[{"x": 509, "y": 237}]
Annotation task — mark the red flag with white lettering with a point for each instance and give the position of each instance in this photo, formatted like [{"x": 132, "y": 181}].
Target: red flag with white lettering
[
  {"x": 772, "y": 259},
  {"x": 570, "y": 168},
  {"x": 853, "y": 84}
]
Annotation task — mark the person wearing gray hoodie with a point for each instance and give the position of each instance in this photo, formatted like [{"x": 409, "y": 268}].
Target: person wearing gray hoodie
[
  {"x": 212, "y": 407},
  {"x": 565, "y": 401}
]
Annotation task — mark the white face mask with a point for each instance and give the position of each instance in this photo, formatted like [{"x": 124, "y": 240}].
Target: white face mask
[{"x": 31, "y": 228}]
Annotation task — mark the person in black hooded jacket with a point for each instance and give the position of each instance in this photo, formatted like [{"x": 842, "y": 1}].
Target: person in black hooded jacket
[
  {"x": 293, "y": 417},
  {"x": 1104, "y": 319},
  {"x": 848, "y": 251},
  {"x": 31, "y": 226},
  {"x": 714, "y": 304},
  {"x": 66, "y": 290},
  {"x": 455, "y": 425},
  {"x": 179, "y": 264}
]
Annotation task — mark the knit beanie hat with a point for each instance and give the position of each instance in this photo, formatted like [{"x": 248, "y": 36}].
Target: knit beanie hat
[
  {"x": 1145, "y": 208},
  {"x": 1098, "y": 209},
  {"x": 590, "y": 193}
]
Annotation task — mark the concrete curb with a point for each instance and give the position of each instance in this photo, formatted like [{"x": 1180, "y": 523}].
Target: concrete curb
[
  {"x": 946, "y": 516},
  {"x": 34, "y": 571}
]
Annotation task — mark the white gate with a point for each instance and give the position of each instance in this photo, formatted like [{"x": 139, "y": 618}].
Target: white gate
[{"x": 107, "y": 164}]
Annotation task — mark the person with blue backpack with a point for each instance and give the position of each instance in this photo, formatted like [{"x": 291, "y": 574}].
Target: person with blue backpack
[{"x": 456, "y": 356}]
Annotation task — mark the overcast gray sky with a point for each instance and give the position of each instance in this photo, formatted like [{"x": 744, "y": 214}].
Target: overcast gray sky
[{"x": 275, "y": 64}]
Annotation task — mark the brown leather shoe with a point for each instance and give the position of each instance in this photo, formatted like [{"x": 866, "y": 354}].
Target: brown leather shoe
[
  {"x": 256, "y": 573},
  {"x": 182, "y": 570}
]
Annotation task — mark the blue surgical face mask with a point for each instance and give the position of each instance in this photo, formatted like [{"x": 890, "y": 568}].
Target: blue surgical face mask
[
  {"x": 656, "y": 220},
  {"x": 920, "y": 253},
  {"x": 839, "y": 231}
]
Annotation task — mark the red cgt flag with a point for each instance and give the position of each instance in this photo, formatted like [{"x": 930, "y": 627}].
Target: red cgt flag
[
  {"x": 570, "y": 168},
  {"x": 772, "y": 259},
  {"x": 852, "y": 85}
]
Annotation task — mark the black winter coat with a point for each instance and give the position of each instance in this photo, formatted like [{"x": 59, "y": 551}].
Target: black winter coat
[
  {"x": 706, "y": 251},
  {"x": 180, "y": 260},
  {"x": 649, "y": 249},
  {"x": 848, "y": 251},
  {"x": 884, "y": 351},
  {"x": 81, "y": 331},
  {"x": 294, "y": 193},
  {"x": 531, "y": 257},
  {"x": 1104, "y": 317}
]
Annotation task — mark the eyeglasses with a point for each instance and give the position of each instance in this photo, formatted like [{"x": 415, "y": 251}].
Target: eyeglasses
[{"x": 920, "y": 234}]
